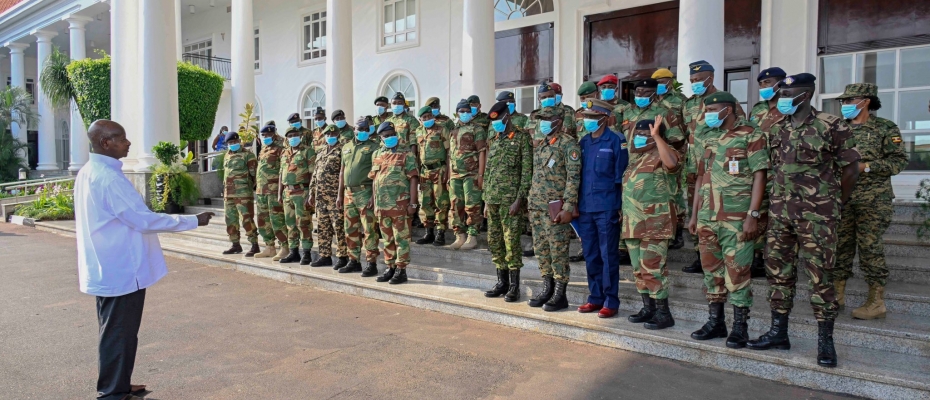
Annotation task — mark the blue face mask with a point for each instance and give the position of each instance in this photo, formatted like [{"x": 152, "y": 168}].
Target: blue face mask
[
  {"x": 767, "y": 93},
  {"x": 642, "y": 102},
  {"x": 435, "y": 112},
  {"x": 545, "y": 127},
  {"x": 662, "y": 89},
  {"x": 850, "y": 111},
  {"x": 267, "y": 141},
  {"x": 474, "y": 110},
  {"x": 319, "y": 124},
  {"x": 584, "y": 104},
  {"x": 698, "y": 87},
  {"x": 397, "y": 109},
  {"x": 547, "y": 102},
  {"x": 608, "y": 94},
  {"x": 465, "y": 117},
  {"x": 712, "y": 119},
  {"x": 295, "y": 125},
  {"x": 639, "y": 141},
  {"x": 390, "y": 142},
  {"x": 498, "y": 126},
  {"x": 511, "y": 107},
  {"x": 371, "y": 130},
  {"x": 362, "y": 136},
  {"x": 341, "y": 123},
  {"x": 235, "y": 147},
  {"x": 332, "y": 140},
  {"x": 786, "y": 106},
  {"x": 429, "y": 123},
  {"x": 558, "y": 99},
  {"x": 381, "y": 110},
  {"x": 591, "y": 125},
  {"x": 293, "y": 141}
]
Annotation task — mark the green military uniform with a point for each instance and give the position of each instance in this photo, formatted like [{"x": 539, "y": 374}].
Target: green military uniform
[
  {"x": 319, "y": 138},
  {"x": 519, "y": 119},
  {"x": 506, "y": 179},
  {"x": 325, "y": 188},
  {"x": 406, "y": 127},
  {"x": 586, "y": 90},
  {"x": 391, "y": 172},
  {"x": 482, "y": 119},
  {"x": 619, "y": 109},
  {"x": 468, "y": 140},
  {"x": 346, "y": 133},
  {"x": 446, "y": 122},
  {"x": 359, "y": 217},
  {"x": 298, "y": 164},
  {"x": 270, "y": 211},
  {"x": 693, "y": 123},
  {"x": 239, "y": 193},
  {"x": 568, "y": 122},
  {"x": 433, "y": 146}
]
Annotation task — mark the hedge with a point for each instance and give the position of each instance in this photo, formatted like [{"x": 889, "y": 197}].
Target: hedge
[{"x": 91, "y": 81}]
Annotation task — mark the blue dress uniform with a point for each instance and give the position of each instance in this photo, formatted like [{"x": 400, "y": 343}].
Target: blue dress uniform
[{"x": 603, "y": 162}]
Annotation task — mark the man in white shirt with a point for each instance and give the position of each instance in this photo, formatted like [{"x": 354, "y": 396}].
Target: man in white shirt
[{"x": 118, "y": 253}]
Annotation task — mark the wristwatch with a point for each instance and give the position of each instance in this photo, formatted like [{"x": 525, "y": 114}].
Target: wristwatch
[
  {"x": 414, "y": 205},
  {"x": 867, "y": 169},
  {"x": 755, "y": 214}
]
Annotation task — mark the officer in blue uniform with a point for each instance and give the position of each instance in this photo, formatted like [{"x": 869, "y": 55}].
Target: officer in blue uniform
[{"x": 603, "y": 161}]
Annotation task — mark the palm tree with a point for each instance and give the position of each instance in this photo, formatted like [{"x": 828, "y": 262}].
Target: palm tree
[
  {"x": 15, "y": 107},
  {"x": 56, "y": 86}
]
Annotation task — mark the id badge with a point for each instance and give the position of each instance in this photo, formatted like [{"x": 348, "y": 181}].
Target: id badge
[
  {"x": 734, "y": 167},
  {"x": 551, "y": 163}
]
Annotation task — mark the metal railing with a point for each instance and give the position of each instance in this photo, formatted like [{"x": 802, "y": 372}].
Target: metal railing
[
  {"x": 22, "y": 188},
  {"x": 221, "y": 66}
]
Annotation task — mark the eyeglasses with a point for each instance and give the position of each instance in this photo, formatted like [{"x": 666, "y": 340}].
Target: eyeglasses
[{"x": 851, "y": 100}]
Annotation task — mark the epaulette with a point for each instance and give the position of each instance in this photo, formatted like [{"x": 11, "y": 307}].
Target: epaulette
[
  {"x": 828, "y": 118},
  {"x": 886, "y": 123},
  {"x": 747, "y": 122}
]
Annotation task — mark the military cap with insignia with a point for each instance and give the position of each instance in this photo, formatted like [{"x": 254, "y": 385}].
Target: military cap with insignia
[
  {"x": 700, "y": 66},
  {"x": 381, "y": 99},
  {"x": 773, "y": 72},
  {"x": 432, "y": 101},
  {"x": 463, "y": 104},
  {"x": 587, "y": 88},
  {"x": 720, "y": 97},
  {"x": 474, "y": 99},
  {"x": 338, "y": 113},
  {"x": 505, "y": 95},
  {"x": 386, "y": 126},
  {"x": 293, "y": 118},
  {"x": 663, "y": 73},
  {"x": 643, "y": 125},
  {"x": 859, "y": 90},
  {"x": 597, "y": 107},
  {"x": 399, "y": 96},
  {"x": 362, "y": 124},
  {"x": 646, "y": 83},
  {"x": 609, "y": 79},
  {"x": 544, "y": 87},
  {"x": 499, "y": 109},
  {"x": 269, "y": 128},
  {"x": 424, "y": 110},
  {"x": 232, "y": 136},
  {"x": 800, "y": 80}
]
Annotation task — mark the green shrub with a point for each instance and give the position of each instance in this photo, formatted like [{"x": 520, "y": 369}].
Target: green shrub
[
  {"x": 199, "y": 94},
  {"x": 55, "y": 202},
  {"x": 90, "y": 79},
  {"x": 10, "y": 160},
  {"x": 179, "y": 187},
  {"x": 166, "y": 152}
]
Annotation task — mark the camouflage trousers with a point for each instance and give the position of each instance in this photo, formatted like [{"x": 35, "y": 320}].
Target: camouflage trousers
[
  {"x": 691, "y": 184},
  {"x": 271, "y": 219},
  {"x": 726, "y": 261},
  {"x": 648, "y": 258},
  {"x": 504, "y": 232},
  {"x": 862, "y": 225},
  {"x": 550, "y": 243},
  {"x": 807, "y": 245},
  {"x": 330, "y": 224},
  {"x": 240, "y": 208},
  {"x": 396, "y": 231},
  {"x": 360, "y": 224},
  {"x": 299, "y": 220},
  {"x": 434, "y": 199},
  {"x": 466, "y": 199}
]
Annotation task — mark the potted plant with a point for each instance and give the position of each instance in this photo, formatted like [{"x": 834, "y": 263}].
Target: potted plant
[
  {"x": 171, "y": 185},
  {"x": 248, "y": 128}
]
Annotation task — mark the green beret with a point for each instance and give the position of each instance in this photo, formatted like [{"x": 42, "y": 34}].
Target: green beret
[
  {"x": 587, "y": 88},
  {"x": 720, "y": 97},
  {"x": 425, "y": 110}
]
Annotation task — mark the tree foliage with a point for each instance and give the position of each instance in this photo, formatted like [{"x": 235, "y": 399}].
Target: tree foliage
[
  {"x": 15, "y": 107},
  {"x": 199, "y": 94},
  {"x": 90, "y": 80}
]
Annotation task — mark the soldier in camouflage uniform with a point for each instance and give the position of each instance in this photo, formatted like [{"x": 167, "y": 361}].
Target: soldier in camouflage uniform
[
  {"x": 702, "y": 84},
  {"x": 295, "y": 123},
  {"x": 507, "y": 183},
  {"x": 239, "y": 194},
  {"x": 395, "y": 180},
  {"x": 270, "y": 210},
  {"x": 297, "y": 166},
  {"x": 587, "y": 91},
  {"x": 324, "y": 189},
  {"x": 344, "y": 131},
  {"x": 433, "y": 143},
  {"x": 384, "y": 111},
  {"x": 355, "y": 195},
  {"x": 467, "y": 156},
  {"x": 518, "y": 119},
  {"x": 650, "y": 214},
  {"x": 318, "y": 132},
  {"x": 442, "y": 119},
  {"x": 478, "y": 117},
  {"x": 609, "y": 89},
  {"x": 556, "y": 176},
  {"x": 558, "y": 103},
  {"x": 729, "y": 216},
  {"x": 671, "y": 98},
  {"x": 808, "y": 150},
  {"x": 868, "y": 214},
  {"x": 405, "y": 125}
]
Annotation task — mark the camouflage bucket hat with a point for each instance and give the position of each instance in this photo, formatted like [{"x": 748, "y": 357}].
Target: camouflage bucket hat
[{"x": 859, "y": 90}]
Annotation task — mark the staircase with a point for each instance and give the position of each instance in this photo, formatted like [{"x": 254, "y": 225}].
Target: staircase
[{"x": 882, "y": 359}]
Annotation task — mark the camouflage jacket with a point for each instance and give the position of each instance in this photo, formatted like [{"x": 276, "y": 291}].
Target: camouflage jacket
[
  {"x": 297, "y": 166},
  {"x": 239, "y": 171},
  {"x": 325, "y": 181},
  {"x": 650, "y": 191},
  {"x": 693, "y": 123},
  {"x": 568, "y": 123},
  {"x": 406, "y": 127},
  {"x": 306, "y": 135},
  {"x": 765, "y": 116},
  {"x": 433, "y": 146},
  {"x": 391, "y": 172},
  {"x": 356, "y": 161},
  {"x": 269, "y": 167},
  {"x": 727, "y": 192},
  {"x": 445, "y": 121},
  {"x": 467, "y": 141},
  {"x": 556, "y": 173},
  {"x": 519, "y": 119},
  {"x": 509, "y": 169},
  {"x": 345, "y": 134},
  {"x": 879, "y": 143},
  {"x": 620, "y": 109},
  {"x": 319, "y": 138},
  {"x": 674, "y": 132},
  {"x": 482, "y": 119},
  {"x": 807, "y": 164},
  {"x": 673, "y": 99}
]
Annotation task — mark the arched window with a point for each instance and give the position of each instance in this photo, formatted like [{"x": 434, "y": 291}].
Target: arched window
[
  {"x": 404, "y": 84},
  {"x": 314, "y": 97},
  {"x": 64, "y": 146},
  {"x": 513, "y": 9}
]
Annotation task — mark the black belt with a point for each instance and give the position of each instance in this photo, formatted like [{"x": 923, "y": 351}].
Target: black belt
[{"x": 433, "y": 166}]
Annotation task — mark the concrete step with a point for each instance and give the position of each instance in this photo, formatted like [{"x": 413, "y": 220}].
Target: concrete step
[{"x": 908, "y": 209}]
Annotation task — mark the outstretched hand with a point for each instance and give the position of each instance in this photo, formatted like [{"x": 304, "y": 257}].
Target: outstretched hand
[{"x": 204, "y": 218}]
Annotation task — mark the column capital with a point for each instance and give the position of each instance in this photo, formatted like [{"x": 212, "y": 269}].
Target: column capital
[
  {"x": 16, "y": 48},
  {"x": 76, "y": 21},
  {"x": 43, "y": 36}
]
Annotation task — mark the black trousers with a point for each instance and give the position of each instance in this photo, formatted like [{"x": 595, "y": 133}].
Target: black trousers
[{"x": 119, "y": 319}]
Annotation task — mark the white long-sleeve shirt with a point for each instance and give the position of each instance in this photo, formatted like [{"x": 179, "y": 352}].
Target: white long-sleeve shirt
[{"x": 117, "y": 241}]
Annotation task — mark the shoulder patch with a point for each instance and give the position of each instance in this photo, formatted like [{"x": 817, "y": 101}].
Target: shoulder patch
[
  {"x": 896, "y": 139},
  {"x": 829, "y": 118},
  {"x": 623, "y": 145},
  {"x": 574, "y": 155}
]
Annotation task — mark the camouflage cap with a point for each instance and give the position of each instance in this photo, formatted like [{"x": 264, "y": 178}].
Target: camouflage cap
[
  {"x": 547, "y": 113},
  {"x": 432, "y": 101},
  {"x": 859, "y": 90}
]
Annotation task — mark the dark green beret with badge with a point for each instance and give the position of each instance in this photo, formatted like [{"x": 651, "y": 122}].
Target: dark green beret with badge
[{"x": 720, "y": 97}]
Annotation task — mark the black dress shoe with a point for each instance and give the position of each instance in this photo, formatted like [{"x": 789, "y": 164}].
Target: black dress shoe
[
  {"x": 322, "y": 262},
  {"x": 234, "y": 249},
  {"x": 370, "y": 270},
  {"x": 694, "y": 268},
  {"x": 387, "y": 275},
  {"x": 352, "y": 266},
  {"x": 400, "y": 276}
]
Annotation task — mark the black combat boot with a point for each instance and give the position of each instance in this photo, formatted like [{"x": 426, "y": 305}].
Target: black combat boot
[
  {"x": 716, "y": 326},
  {"x": 625, "y": 258},
  {"x": 695, "y": 267},
  {"x": 558, "y": 300},
  {"x": 645, "y": 313},
  {"x": 429, "y": 237},
  {"x": 663, "y": 318},
  {"x": 503, "y": 283},
  {"x": 776, "y": 337},
  {"x": 545, "y": 294},
  {"x": 529, "y": 253},
  {"x": 322, "y": 262},
  {"x": 513, "y": 293},
  {"x": 234, "y": 249},
  {"x": 740, "y": 332},
  {"x": 388, "y": 274},
  {"x": 679, "y": 240},
  {"x": 826, "y": 354},
  {"x": 757, "y": 270},
  {"x": 253, "y": 251},
  {"x": 293, "y": 257},
  {"x": 352, "y": 266},
  {"x": 343, "y": 261},
  {"x": 400, "y": 276},
  {"x": 440, "y": 238},
  {"x": 370, "y": 270},
  {"x": 306, "y": 257}
]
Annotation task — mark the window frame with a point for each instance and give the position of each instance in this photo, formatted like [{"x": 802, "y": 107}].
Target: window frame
[
  {"x": 303, "y": 102},
  {"x": 301, "y": 43},
  {"x": 522, "y": 15},
  {"x": 415, "y": 101},
  {"x": 519, "y": 99},
  {"x": 257, "y": 37},
  {"x": 381, "y": 34},
  {"x": 64, "y": 145}
]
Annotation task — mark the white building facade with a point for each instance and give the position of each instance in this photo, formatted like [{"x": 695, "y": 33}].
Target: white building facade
[{"x": 289, "y": 56}]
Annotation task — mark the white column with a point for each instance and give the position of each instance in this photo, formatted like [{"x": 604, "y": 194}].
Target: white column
[
  {"x": 125, "y": 71},
  {"x": 159, "y": 78},
  {"x": 700, "y": 37},
  {"x": 80, "y": 146},
  {"x": 339, "y": 88},
  {"x": 478, "y": 51},
  {"x": 789, "y": 35},
  {"x": 179, "y": 42},
  {"x": 243, "y": 57},
  {"x": 17, "y": 78},
  {"x": 48, "y": 146}
]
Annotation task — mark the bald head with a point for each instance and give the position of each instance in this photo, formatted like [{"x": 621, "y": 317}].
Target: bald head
[{"x": 108, "y": 138}]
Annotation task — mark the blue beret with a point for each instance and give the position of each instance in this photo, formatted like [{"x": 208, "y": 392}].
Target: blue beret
[
  {"x": 545, "y": 87},
  {"x": 232, "y": 136},
  {"x": 505, "y": 95},
  {"x": 700, "y": 66},
  {"x": 362, "y": 124},
  {"x": 799, "y": 80},
  {"x": 773, "y": 72},
  {"x": 386, "y": 126},
  {"x": 463, "y": 104}
]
